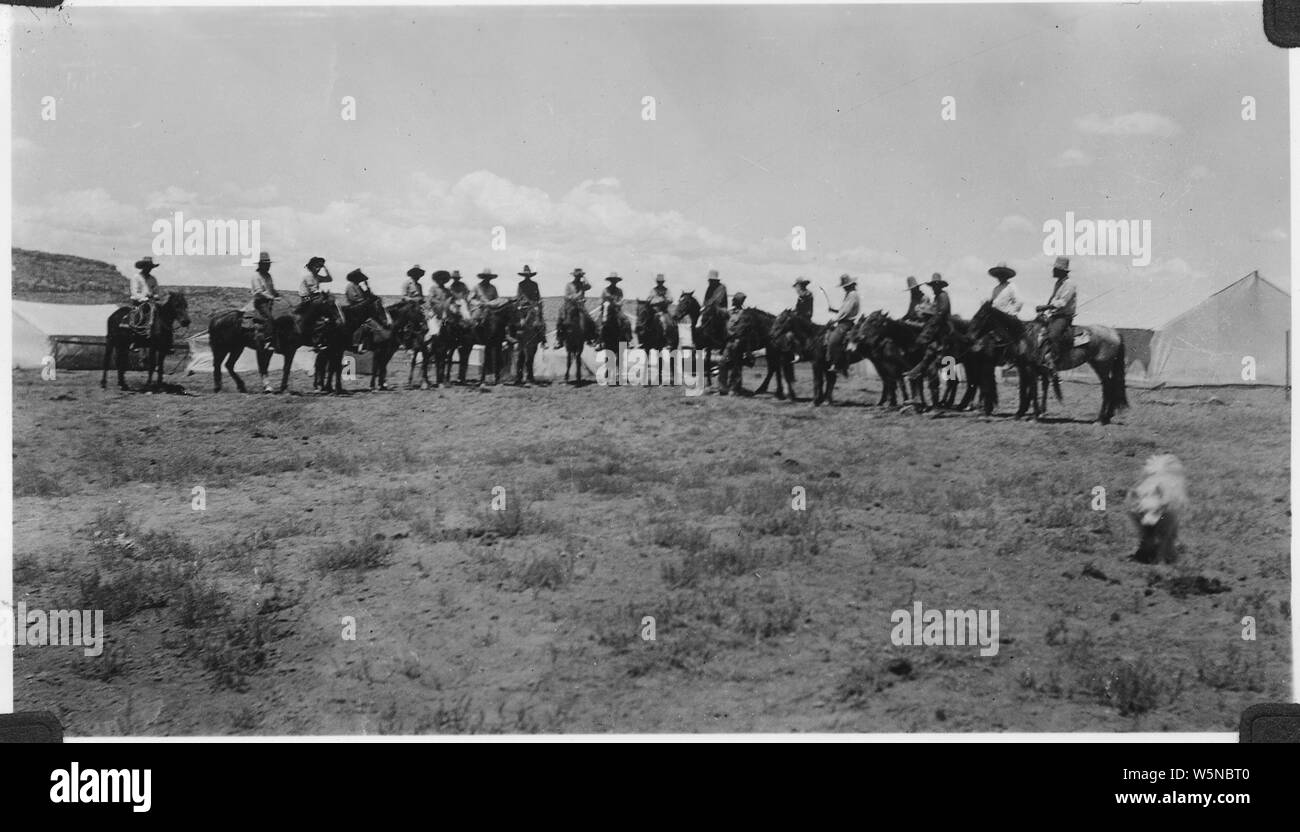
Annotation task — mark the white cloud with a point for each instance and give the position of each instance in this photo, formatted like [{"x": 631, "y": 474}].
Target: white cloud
[
  {"x": 1129, "y": 124},
  {"x": 1072, "y": 158},
  {"x": 1015, "y": 222},
  {"x": 1273, "y": 235}
]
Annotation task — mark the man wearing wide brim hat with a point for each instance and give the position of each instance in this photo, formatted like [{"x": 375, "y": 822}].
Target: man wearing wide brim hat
[
  {"x": 660, "y": 299},
  {"x": 314, "y": 300},
  {"x": 803, "y": 299},
  {"x": 611, "y": 303},
  {"x": 484, "y": 291},
  {"x": 842, "y": 323},
  {"x": 264, "y": 295},
  {"x": 716, "y": 294},
  {"x": 918, "y": 308},
  {"x": 527, "y": 289},
  {"x": 144, "y": 293},
  {"x": 1059, "y": 312},
  {"x": 357, "y": 309},
  {"x": 411, "y": 289},
  {"x": 934, "y": 334},
  {"x": 1005, "y": 298}
]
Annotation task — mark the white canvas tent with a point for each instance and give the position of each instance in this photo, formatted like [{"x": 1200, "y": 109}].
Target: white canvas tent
[
  {"x": 1249, "y": 319},
  {"x": 73, "y": 334},
  {"x": 1207, "y": 344}
]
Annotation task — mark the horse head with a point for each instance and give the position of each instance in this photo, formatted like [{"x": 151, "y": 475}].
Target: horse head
[
  {"x": 687, "y": 307},
  {"x": 176, "y": 308}
]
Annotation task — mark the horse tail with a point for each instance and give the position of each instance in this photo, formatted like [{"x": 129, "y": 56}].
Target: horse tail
[{"x": 1118, "y": 391}]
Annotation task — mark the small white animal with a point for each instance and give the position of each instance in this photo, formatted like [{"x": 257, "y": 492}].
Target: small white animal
[{"x": 1156, "y": 505}]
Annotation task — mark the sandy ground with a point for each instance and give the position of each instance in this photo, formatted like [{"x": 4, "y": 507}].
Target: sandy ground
[{"x": 622, "y": 504}]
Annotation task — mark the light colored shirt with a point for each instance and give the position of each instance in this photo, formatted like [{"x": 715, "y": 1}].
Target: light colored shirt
[
  {"x": 1006, "y": 299},
  {"x": 263, "y": 286},
  {"x": 1063, "y": 298},
  {"x": 143, "y": 287},
  {"x": 412, "y": 290},
  {"x": 849, "y": 309},
  {"x": 311, "y": 284}
]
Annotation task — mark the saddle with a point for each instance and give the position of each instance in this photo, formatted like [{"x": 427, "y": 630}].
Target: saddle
[{"x": 1080, "y": 335}]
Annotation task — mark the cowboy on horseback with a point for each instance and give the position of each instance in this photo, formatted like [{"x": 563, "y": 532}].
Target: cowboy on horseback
[
  {"x": 357, "y": 303},
  {"x": 843, "y": 321},
  {"x": 918, "y": 308},
  {"x": 936, "y": 330},
  {"x": 313, "y": 299},
  {"x": 144, "y": 294},
  {"x": 484, "y": 295},
  {"x": 459, "y": 293},
  {"x": 716, "y": 295},
  {"x": 411, "y": 289},
  {"x": 1058, "y": 313},
  {"x": 527, "y": 288},
  {"x": 611, "y": 304},
  {"x": 264, "y": 295},
  {"x": 803, "y": 299}
]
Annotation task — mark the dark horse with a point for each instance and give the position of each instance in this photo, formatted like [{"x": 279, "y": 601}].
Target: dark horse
[
  {"x": 575, "y": 328},
  {"x": 454, "y": 336},
  {"x": 656, "y": 331},
  {"x": 228, "y": 336},
  {"x": 1102, "y": 350},
  {"x": 410, "y": 332},
  {"x": 890, "y": 346},
  {"x": 792, "y": 336},
  {"x": 748, "y": 333},
  {"x": 1006, "y": 340},
  {"x": 962, "y": 361},
  {"x": 494, "y": 323},
  {"x": 527, "y": 332},
  {"x": 708, "y": 329},
  {"x": 372, "y": 320},
  {"x": 157, "y": 341}
]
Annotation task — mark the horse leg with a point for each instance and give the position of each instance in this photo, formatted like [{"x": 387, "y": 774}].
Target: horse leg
[{"x": 123, "y": 356}]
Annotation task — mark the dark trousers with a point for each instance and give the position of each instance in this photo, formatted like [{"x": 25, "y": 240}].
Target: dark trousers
[{"x": 1058, "y": 335}]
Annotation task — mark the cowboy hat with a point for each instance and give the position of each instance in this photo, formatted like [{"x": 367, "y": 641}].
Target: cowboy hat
[
  {"x": 912, "y": 284},
  {"x": 578, "y": 273},
  {"x": 613, "y": 277},
  {"x": 738, "y": 298},
  {"x": 357, "y": 276},
  {"x": 146, "y": 264},
  {"x": 527, "y": 272},
  {"x": 1062, "y": 264},
  {"x": 713, "y": 274},
  {"x": 659, "y": 278},
  {"x": 936, "y": 279},
  {"x": 455, "y": 274},
  {"x": 1002, "y": 271},
  {"x": 415, "y": 271},
  {"x": 486, "y": 274},
  {"x": 441, "y": 276},
  {"x": 263, "y": 259},
  {"x": 803, "y": 281},
  {"x": 846, "y": 281},
  {"x": 315, "y": 263}
]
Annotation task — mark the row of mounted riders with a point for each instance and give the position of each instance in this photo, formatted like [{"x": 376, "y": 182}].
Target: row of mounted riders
[{"x": 978, "y": 346}]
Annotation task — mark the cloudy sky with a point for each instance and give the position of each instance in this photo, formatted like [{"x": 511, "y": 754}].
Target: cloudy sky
[{"x": 766, "y": 118}]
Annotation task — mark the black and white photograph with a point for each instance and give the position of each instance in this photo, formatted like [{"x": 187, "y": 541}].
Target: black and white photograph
[{"x": 906, "y": 369}]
